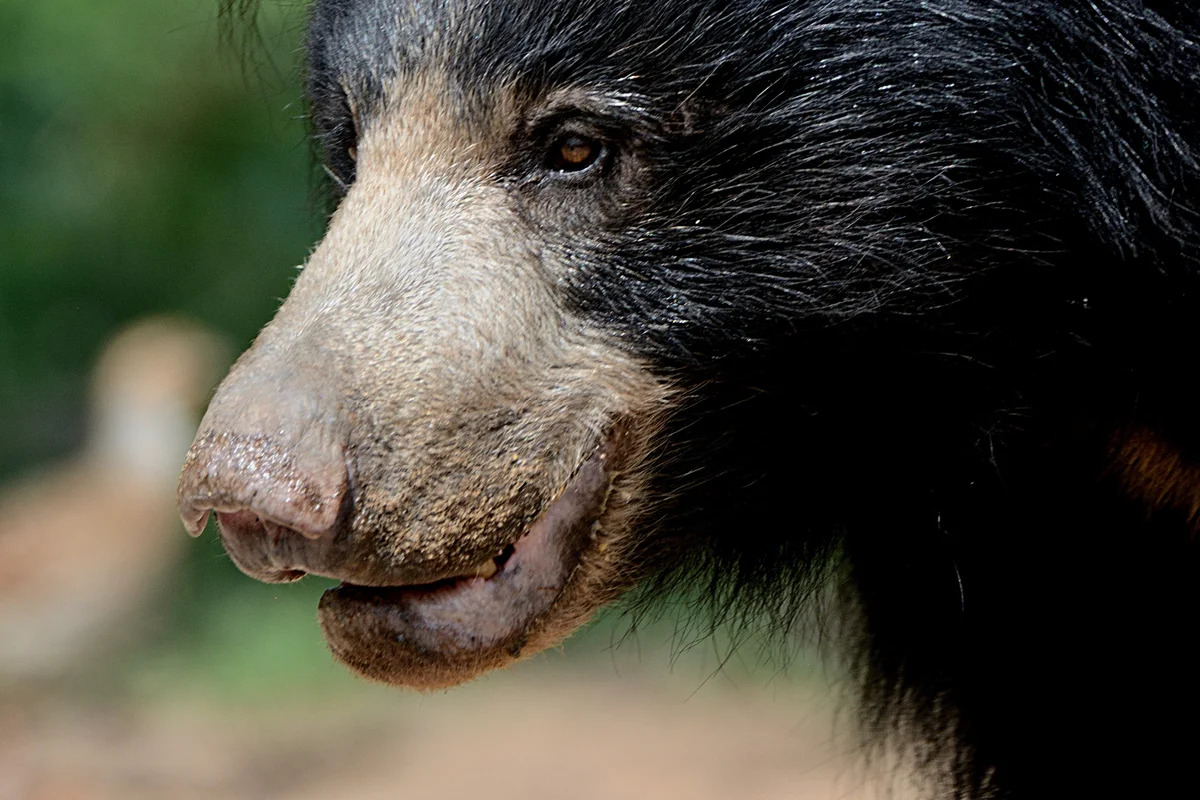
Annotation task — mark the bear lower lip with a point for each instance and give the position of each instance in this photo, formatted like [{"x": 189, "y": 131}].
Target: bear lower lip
[{"x": 437, "y": 634}]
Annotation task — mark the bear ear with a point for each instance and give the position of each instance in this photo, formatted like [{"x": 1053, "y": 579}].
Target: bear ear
[{"x": 1155, "y": 472}]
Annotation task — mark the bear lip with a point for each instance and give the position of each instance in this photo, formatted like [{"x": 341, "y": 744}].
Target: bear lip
[{"x": 430, "y": 635}]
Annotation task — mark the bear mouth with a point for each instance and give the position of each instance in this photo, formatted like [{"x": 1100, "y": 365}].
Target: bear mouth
[
  {"x": 437, "y": 634},
  {"x": 408, "y": 625}
]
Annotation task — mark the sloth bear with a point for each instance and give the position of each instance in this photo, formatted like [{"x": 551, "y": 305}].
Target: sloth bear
[{"x": 755, "y": 296}]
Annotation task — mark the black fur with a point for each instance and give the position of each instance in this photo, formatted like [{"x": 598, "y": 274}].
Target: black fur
[{"x": 918, "y": 261}]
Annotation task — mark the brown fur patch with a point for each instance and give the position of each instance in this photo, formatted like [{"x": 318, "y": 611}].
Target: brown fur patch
[{"x": 1155, "y": 472}]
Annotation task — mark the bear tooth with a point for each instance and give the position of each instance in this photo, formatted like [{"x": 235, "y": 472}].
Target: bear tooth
[{"x": 485, "y": 570}]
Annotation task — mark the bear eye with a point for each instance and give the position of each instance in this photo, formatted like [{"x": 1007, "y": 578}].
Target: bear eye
[{"x": 574, "y": 153}]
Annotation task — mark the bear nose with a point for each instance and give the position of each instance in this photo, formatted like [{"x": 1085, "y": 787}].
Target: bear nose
[
  {"x": 270, "y": 447},
  {"x": 302, "y": 489}
]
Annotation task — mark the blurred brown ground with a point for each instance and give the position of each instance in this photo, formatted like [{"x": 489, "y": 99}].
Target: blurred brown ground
[{"x": 530, "y": 736}]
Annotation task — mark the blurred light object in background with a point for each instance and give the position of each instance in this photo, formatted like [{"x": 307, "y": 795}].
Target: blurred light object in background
[{"x": 83, "y": 544}]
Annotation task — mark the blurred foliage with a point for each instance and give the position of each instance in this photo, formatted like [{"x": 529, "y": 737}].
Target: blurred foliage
[{"x": 143, "y": 168}]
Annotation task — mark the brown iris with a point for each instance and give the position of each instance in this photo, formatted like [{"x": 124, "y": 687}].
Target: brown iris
[{"x": 574, "y": 153}]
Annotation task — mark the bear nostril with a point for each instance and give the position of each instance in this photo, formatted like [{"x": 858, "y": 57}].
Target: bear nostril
[
  {"x": 246, "y": 525},
  {"x": 264, "y": 548}
]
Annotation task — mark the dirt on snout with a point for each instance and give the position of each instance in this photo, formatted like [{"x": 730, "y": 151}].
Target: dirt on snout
[{"x": 530, "y": 739}]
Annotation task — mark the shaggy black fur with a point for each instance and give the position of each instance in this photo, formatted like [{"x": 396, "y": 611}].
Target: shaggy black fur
[{"x": 921, "y": 262}]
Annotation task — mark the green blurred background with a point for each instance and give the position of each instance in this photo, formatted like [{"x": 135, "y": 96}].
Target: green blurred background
[
  {"x": 142, "y": 171},
  {"x": 149, "y": 165}
]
